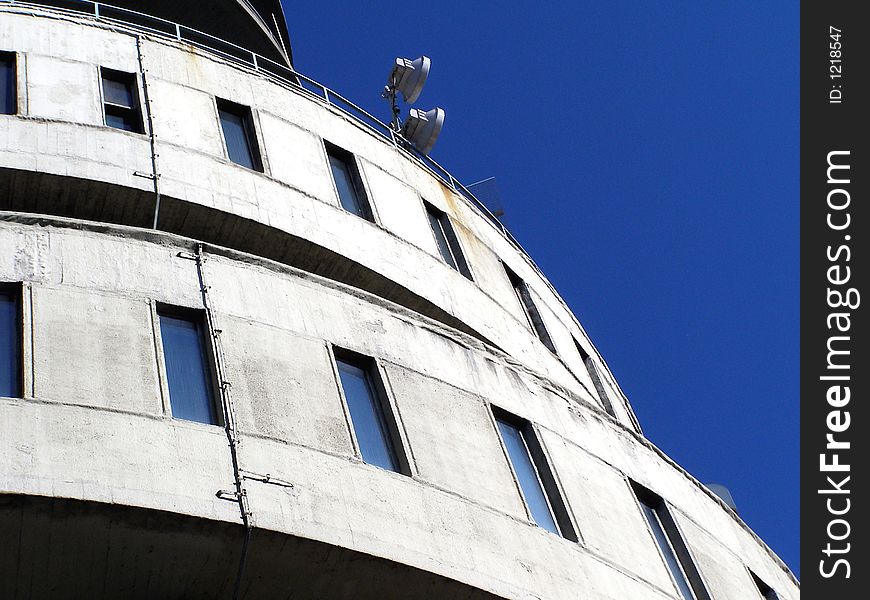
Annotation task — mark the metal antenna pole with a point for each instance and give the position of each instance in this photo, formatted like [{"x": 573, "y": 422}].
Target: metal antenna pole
[
  {"x": 390, "y": 94},
  {"x": 395, "y": 122}
]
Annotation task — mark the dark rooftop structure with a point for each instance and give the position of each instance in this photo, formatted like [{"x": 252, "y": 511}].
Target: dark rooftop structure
[{"x": 256, "y": 25}]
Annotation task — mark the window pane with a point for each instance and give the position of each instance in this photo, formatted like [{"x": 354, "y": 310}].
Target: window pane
[
  {"x": 665, "y": 546},
  {"x": 440, "y": 238},
  {"x": 446, "y": 240},
  {"x": 344, "y": 184},
  {"x": 592, "y": 370},
  {"x": 518, "y": 286},
  {"x": 367, "y": 417},
  {"x": 10, "y": 346},
  {"x": 120, "y": 103},
  {"x": 122, "y": 119},
  {"x": 527, "y": 476},
  {"x": 236, "y": 138},
  {"x": 8, "y": 99},
  {"x": 187, "y": 371},
  {"x": 533, "y": 316},
  {"x": 766, "y": 591},
  {"x": 519, "y": 294},
  {"x": 118, "y": 92}
]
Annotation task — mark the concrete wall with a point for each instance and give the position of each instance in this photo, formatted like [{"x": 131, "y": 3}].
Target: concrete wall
[
  {"x": 60, "y": 82},
  {"x": 94, "y": 426},
  {"x": 95, "y": 421}
]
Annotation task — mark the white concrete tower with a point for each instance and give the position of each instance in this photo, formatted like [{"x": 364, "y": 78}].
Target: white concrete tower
[{"x": 251, "y": 346}]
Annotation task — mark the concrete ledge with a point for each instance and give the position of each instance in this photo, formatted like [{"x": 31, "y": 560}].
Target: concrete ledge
[
  {"x": 57, "y": 549},
  {"x": 54, "y": 195}
]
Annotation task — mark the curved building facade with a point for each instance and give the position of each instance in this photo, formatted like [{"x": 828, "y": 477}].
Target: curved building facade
[{"x": 252, "y": 346}]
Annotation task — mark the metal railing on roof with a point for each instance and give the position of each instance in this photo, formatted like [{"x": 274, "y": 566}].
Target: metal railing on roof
[{"x": 284, "y": 74}]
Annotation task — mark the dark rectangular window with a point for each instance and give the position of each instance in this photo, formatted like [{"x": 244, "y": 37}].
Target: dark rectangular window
[
  {"x": 445, "y": 237},
  {"x": 8, "y": 84},
  {"x": 10, "y": 342},
  {"x": 673, "y": 549},
  {"x": 188, "y": 368},
  {"x": 765, "y": 590},
  {"x": 533, "y": 474},
  {"x": 594, "y": 375},
  {"x": 375, "y": 430},
  {"x": 348, "y": 182},
  {"x": 121, "y": 100},
  {"x": 237, "y": 123},
  {"x": 530, "y": 310}
]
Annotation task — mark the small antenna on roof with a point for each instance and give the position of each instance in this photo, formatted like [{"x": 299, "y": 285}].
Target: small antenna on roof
[
  {"x": 487, "y": 191},
  {"x": 724, "y": 494},
  {"x": 422, "y": 127}
]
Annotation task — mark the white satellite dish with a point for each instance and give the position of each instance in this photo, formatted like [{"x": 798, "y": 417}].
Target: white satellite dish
[
  {"x": 422, "y": 128},
  {"x": 408, "y": 77}
]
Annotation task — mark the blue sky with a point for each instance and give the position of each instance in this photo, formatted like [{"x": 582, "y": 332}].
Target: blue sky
[{"x": 647, "y": 157}]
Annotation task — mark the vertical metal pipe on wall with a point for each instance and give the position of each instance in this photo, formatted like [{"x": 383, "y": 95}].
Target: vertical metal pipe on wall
[
  {"x": 149, "y": 117},
  {"x": 240, "y": 495}
]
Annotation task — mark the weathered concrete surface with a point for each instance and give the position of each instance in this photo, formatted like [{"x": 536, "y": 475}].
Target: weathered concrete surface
[
  {"x": 295, "y": 195},
  {"x": 97, "y": 455},
  {"x": 443, "y": 446},
  {"x": 309, "y": 172},
  {"x": 602, "y": 492},
  {"x": 459, "y": 514},
  {"x": 63, "y": 89},
  {"x": 283, "y": 376},
  {"x": 105, "y": 356},
  {"x": 94, "y": 425}
]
